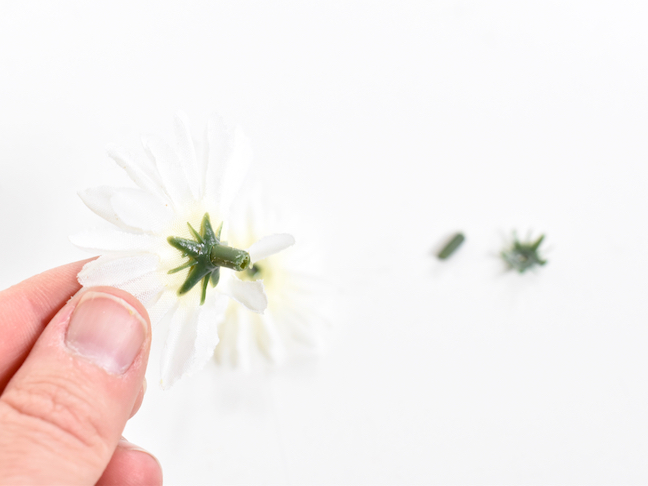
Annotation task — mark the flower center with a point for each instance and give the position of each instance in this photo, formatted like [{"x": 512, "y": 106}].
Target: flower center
[
  {"x": 206, "y": 256},
  {"x": 253, "y": 272}
]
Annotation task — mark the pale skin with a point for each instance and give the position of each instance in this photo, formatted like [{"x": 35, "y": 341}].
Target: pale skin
[{"x": 62, "y": 408}]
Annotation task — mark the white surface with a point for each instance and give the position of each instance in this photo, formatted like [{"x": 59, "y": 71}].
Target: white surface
[{"x": 388, "y": 126}]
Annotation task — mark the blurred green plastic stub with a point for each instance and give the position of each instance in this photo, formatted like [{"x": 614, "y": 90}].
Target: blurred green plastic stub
[{"x": 452, "y": 245}]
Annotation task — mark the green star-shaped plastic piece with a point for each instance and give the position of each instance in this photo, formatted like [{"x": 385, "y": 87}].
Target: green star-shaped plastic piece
[
  {"x": 206, "y": 256},
  {"x": 523, "y": 255}
]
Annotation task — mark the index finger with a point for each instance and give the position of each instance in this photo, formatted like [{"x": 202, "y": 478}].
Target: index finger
[{"x": 25, "y": 310}]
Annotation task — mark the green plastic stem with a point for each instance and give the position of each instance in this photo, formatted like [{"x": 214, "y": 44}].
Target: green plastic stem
[{"x": 228, "y": 257}]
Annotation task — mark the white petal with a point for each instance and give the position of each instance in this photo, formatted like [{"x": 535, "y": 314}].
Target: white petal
[
  {"x": 250, "y": 294},
  {"x": 128, "y": 209},
  {"x": 136, "y": 274},
  {"x": 193, "y": 335},
  {"x": 242, "y": 353},
  {"x": 115, "y": 269},
  {"x": 211, "y": 314},
  {"x": 112, "y": 240},
  {"x": 179, "y": 344},
  {"x": 236, "y": 170},
  {"x": 229, "y": 159},
  {"x": 219, "y": 146},
  {"x": 226, "y": 340},
  {"x": 269, "y": 245},
  {"x": 98, "y": 200},
  {"x": 161, "y": 308},
  {"x": 141, "y": 210},
  {"x": 187, "y": 154},
  {"x": 268, "y": 338},
  {"x": 147, "y": 288},
  {"x": 171, "y": 171},
  {"x": 145, "y": 176}
]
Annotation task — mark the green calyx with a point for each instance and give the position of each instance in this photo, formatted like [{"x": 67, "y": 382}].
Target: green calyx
[
  {"x": 522, "y": 256},
  {"x": 206, "y": 256}
]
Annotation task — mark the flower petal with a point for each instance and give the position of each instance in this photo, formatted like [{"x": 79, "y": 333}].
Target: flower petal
[
  {"x": 112, "y": 240},
  {"x": 210, "y": 316},
  {"x": 136, "y": 274},
  {"x": 141, "y": 210},
  {"x": 98, "y": 200},
  {"x": 269, "y": 245},
  {"x": 147, "y": 288},
  {"x": 193, "y": 335},
  {"x": 242, "y": 356},
  {"x": 234, "y": 339},
  {"x": 229, "y": 158},
  {"x": 219, "y": 147},
  {"x": 179, "y": 344},
  {"x": 237, "y": 169},
  {"x": 170, "y": 168},
  {"x": 250, "y": 294},
  {"x": 268, "y": 338},
  {"x": 161, "y": 308},
  {"x": 187, "y": 154},
  {"x": 145, "y": 176},
  {"x": 116, "y": 269},
  {"x": 128, "y": 209},
  {"x": 224, "y": 352}
]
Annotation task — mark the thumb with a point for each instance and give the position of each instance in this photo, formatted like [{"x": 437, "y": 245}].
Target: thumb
[{"x": 63, "y": 412}]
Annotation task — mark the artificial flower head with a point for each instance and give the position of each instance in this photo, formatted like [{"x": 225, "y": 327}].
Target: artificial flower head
[{"x": 182, "y": 275}]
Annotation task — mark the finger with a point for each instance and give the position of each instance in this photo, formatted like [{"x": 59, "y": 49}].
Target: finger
[
  {"x": 27, "y": 307},
  {"x": 63, "y": 412},
  {"x": 139, "y": 399},
  {"x": 131, "y": 465}
]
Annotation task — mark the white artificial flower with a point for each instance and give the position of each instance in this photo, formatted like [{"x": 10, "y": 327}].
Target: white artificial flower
[
  {"x": 295, "y": 319},
  {"x": 177, "y": 187}
]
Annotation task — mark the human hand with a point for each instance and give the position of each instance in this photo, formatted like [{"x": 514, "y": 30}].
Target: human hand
[{"x": 71, "y": 375}]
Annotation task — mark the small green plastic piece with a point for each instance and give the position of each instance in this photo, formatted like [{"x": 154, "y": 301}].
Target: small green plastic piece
[
  {"x": 452, "y": 245},
  {"x": 206, "y": 256},
  {"x": 226, "y": 256},
  {"x": 522, "y": 256}
]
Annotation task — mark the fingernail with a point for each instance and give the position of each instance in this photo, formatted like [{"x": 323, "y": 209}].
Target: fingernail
[{"x": 107, "y": 331}]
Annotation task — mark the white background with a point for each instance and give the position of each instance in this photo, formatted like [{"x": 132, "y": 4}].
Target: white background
[{"x": 389, "y": 126}]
